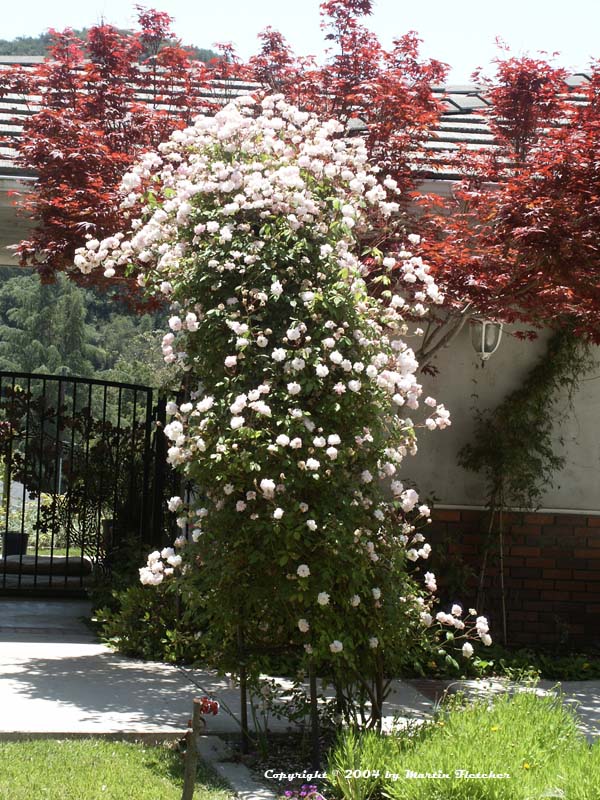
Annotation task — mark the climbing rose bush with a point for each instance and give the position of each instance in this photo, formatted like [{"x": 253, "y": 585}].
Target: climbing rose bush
[{"x": 303, "y": 397}]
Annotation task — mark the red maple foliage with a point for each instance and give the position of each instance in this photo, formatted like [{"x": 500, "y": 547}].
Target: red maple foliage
[
  {"x": 519, "y": 240},
  {"x": 101, "y": 104},
  {"x": 385, "y": 95}
]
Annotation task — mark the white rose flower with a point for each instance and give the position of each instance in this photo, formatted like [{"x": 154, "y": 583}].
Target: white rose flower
[
  {"x": 267, "y": 487},
  {"x": 303, "y": 571},
  {"x": 174, "y": 503},
  {"x": 336, "y": 646}
]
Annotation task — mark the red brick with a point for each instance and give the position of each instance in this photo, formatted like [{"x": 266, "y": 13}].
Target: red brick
[
  {"x": 554, "y": 595},
  {"x": 559, "y": 531},
  {"x": 537, "y": 584},
  {"x": 524, "y": 572},
  {"x": 591, "y": 587},
  {"x": 581, "y": 532},
  {"x": 513, "y": 517},
  {"x": 525, "y": 530},
  {"x": 587, "y": 574},
  {"x": 529, "y": 616},
  {"x": 594, "y": 609},
  {"x": 567, "y": 562},
  {"x": 472, "y": 515},
  {"x": 561, "y": 574},
  {"x": 593, "y": 541},
  {"x": 520, "y": 550},
  {"x": 594, "y": 522},
  {"x": 587, "y": 553},
  {"x": 540, "y": 562},
  {"x": 540, "y": 519},
  {"x": 530, "y": 594},
  {"x": 535, "y": 605},
  {"x": 569, "y": 586},
  {"x": 582, "y": 597},
  {"x": 572, "y": 519},
  {"x": 445, "y": 515}
]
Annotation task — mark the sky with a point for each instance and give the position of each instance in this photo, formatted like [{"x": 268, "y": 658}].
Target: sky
[{"x": 461, "y": 33}]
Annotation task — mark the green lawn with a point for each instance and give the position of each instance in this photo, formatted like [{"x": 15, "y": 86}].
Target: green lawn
[
  {"x": 512, "y": 748},
  {"x": 96, "y": 769}
]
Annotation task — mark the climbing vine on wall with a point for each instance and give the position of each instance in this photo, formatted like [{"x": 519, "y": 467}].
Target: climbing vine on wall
[{"x": 514, "y": 445}]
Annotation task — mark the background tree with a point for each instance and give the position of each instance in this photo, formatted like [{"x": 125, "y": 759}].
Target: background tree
[{"x": 60, "y": 327}]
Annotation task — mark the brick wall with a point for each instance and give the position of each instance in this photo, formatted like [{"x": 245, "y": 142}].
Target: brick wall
[{"x": 552, "y": 573}]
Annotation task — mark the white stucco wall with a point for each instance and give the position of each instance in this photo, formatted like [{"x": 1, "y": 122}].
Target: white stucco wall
[{"x": 577, "y": 486}]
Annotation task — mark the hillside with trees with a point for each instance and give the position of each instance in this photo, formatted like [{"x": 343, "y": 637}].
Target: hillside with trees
[
  {"x": 60, "y": 328},
  {"x": 39, "y": 46}
]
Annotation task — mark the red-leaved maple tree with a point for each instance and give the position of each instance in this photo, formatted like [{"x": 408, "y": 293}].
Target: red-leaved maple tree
[
  {"x": 519, "y": 240},
  {"x": 102, "y": 103}
]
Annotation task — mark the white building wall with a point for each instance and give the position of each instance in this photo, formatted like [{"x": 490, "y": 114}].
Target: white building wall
[{"x": 461, "y": 375}]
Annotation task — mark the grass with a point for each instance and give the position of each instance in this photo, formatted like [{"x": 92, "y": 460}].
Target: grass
[
  {"x": 534, "y": 740},
  {"x": 97, "y": 769}
]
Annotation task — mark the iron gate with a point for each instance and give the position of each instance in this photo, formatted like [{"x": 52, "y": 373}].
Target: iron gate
[{"x": 82, "y": 471}]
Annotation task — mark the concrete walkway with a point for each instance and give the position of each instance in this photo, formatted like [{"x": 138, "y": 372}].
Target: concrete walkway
[{"x": 56, "y": 679}]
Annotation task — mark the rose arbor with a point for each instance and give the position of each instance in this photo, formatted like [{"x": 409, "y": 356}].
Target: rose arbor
[{"x": 303, "y": 393}]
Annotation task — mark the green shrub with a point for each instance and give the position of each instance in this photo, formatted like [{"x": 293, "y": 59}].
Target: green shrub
[{"x": 146, "y": 624}]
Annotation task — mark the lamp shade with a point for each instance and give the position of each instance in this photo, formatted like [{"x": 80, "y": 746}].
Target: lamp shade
[{"x": 485, "y": 337}]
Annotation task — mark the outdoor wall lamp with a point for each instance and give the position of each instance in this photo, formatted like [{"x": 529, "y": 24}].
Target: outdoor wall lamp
[{"x": 485, "y": 337}]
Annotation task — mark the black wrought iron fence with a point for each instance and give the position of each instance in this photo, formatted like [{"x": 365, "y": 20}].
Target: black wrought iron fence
[{"x": 82, "y": 470}]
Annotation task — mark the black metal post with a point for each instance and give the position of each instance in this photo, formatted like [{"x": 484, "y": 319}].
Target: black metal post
[
  {"x": 243, "y": 692},
  {"x": 314, "y": 718}
]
